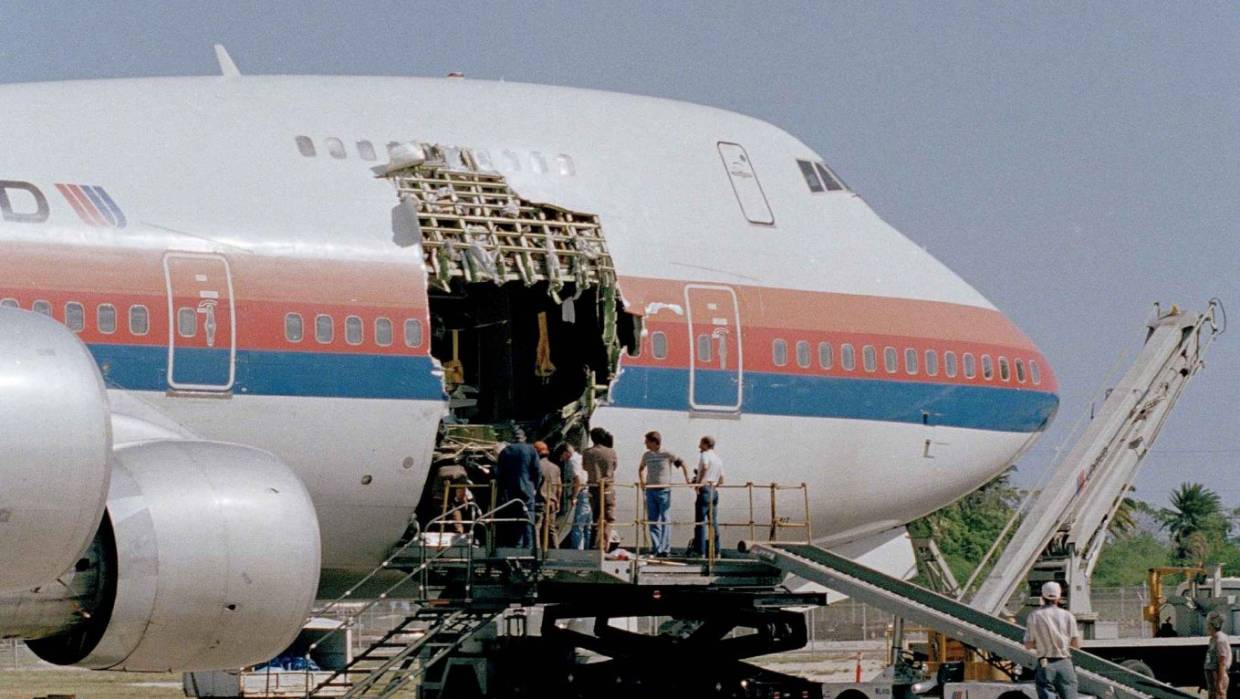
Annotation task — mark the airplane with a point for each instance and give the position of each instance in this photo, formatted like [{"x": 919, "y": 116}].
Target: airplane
[{"x": 240, "y": 316}]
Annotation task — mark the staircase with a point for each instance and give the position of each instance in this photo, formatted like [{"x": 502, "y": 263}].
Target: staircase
[{"x": 408, "y": 651}]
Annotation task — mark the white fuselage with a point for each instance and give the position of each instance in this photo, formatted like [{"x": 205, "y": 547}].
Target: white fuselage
[{"x": 212, "y": 167}]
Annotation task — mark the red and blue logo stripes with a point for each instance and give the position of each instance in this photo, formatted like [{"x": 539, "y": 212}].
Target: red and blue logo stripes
[{"x": 93, "y": 204}]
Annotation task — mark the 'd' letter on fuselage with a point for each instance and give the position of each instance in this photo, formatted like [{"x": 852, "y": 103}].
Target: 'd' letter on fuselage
[{"x": 39, "y": 215}]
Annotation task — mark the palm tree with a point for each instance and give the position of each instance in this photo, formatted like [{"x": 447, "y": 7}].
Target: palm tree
[{"x": 1196, "y": 513}]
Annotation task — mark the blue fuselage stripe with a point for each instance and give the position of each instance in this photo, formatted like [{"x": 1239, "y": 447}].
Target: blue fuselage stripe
[{"x": 396, "y": 377}]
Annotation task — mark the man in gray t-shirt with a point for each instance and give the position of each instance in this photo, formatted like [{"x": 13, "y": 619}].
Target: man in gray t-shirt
[
  {"x": 1218, "y": 657},
  {"x": 654, "y": 474},
  {"x": 1051, "y": 631}
]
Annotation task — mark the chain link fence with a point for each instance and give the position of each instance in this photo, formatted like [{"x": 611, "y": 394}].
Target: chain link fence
[{"x": 851, "y": 620}]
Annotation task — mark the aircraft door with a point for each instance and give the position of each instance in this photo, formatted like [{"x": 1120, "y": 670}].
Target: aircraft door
[
  {"x": 202, "y": 325},
  {"x": 716, "y": 370}
]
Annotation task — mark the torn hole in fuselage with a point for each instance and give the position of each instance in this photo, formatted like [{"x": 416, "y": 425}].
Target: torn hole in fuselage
[{"x": 527, "y": 320}]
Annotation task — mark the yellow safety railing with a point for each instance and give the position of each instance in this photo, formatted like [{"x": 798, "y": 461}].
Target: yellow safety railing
[{"x": 765, "y": 514}]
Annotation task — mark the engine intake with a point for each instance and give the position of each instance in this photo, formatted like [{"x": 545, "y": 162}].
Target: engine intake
[
  {"x": 55, "y": 440},
  {"x": 215, "y": 562}
]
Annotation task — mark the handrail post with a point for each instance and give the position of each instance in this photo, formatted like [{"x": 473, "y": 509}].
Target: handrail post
[
  {"x": 774, "y": 528},
  {"x": 809, "y": 531},
  {"x": 753, "y": 532},
  {"x": 710, "y": 530}
]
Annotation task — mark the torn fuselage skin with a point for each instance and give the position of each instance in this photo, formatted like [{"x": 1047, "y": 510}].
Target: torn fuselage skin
[{"x": 527, "y": 322}]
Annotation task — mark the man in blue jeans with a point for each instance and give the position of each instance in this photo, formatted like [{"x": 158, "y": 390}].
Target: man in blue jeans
[
  {"x": 654, "y": 475},
  {"x": 1051, "y": 632},
  {"x": 708, "y": 477}
]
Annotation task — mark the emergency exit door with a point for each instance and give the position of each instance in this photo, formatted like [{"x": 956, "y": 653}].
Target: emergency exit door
[
  {"x": 716, "y": 369},
  {"x": 202, "y": 326}
]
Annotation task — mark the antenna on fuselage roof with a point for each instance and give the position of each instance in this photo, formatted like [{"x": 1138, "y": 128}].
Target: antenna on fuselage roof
[{"x": 228, "y": 68}]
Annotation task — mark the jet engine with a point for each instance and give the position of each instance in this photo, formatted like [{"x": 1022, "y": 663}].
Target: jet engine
[
  {"x": 207, "y": 558},
  {"x": 55, "y": 439}
]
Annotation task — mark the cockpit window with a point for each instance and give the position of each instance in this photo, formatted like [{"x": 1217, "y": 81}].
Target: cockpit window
[
  {"x": 833, "y": 183},
  {"x": 811, "y": 177}
]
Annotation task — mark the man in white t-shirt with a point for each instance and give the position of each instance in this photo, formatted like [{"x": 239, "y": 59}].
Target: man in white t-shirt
[
  {"x": 706, "y": 507},
  {"x": 1051, "y": 631}
]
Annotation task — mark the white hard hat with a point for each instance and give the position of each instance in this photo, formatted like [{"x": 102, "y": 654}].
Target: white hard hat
[
  {"x": 1215, "y": 620},
  {"x": 1051, "y": 590}
]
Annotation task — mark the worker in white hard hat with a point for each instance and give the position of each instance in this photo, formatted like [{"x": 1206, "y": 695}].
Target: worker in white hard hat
[
  {"x": 1218, "y": 656},
  {"x": 1051, "y": 631}
]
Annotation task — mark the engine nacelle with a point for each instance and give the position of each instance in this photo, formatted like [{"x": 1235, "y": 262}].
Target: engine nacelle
[
  {"x": 215, "y": 563},
  {"x": 55, "y": 440}
]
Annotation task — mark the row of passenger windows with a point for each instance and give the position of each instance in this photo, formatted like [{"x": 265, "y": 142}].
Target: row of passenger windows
[
  {"x": 354, "y": 330},
  {"x": 105, "y": 316},
  {"x": 913, "y": 362},
  {"x": 505, "y": 161}
]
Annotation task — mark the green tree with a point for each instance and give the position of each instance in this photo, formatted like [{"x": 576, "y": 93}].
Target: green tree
[
  {"x": 965, "y": 529},
  {"x": 1195, "y": 521},
  {"x": 1125, "y": 560}
]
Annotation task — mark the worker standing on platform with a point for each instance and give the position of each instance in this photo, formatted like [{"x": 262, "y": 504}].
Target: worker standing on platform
[
  {"x": 1052, "y": 632},
  {"x": 579, "y": 534},
  {"x": 1218, "y": 657},
  {"x": 708, "y": 478},
  {"x": 654, "y": 476},
  {"x": 517, "y": 473},
  {"x": 548, "y": 502},
  {"x": 600, "y": 462}
]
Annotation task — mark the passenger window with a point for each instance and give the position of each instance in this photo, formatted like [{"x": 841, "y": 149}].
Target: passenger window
[
  {"x": 910, "y": 360},
  {"x": 1005, "y": 371},
  {"x": 294, "y": 330},
  {"x": 187, "y": 322},
  {"x": 824, "y": 355},
  {"x": 1034, "y": 373},
  {"x": 803, "y": 354},
  {"x": 658, "y": 345},
  {"x": 513, "y": 161},
  {"x": 324, "y": 329},
  {"x": 811, "y": 177},
  {"x": 970, "y": 366},
  {"x": 848, "y": 357},
  {"x": 105, "y": 318},
  {"x": 10, "y": 303},
  {"x": 1020, "y": 370},
  {"x": 139, "y": 320},
  {"x": 383, "y": 332},
  {"x": 44, "y": 307},
  {"x": 75, "y": 316},
  {"x": 413, "y": 333},
  {"x": 353, "y": 330},
  {"x": 366, "y": 150},
  {"x": 988, "y": 368},
  {"x": 703, "y": 348},
  {"x": 483, "y": 159},
  {"x": 779, "y": 352},
  {"x": 305, "y": 146},
  {"x": 932, "y": 363},
  {"x": 829, "y": 179},
  {"x": 537, "y": 162},
  {"x": 335, "y": 148},
  {"x": 949, "y": 364},
  {"x": 891, "y": 359},
  {"x": 566, "y": 165},
  {"x": 869, "y": 358}
]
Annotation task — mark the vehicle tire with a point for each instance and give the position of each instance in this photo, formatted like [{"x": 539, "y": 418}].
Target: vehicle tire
[
  {"x": 1013, "y": 695},
  {"x": 1138, "y": 666},
  {"x": 852, "y": 694}
]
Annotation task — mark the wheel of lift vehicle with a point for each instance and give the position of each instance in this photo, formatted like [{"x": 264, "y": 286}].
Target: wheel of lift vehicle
[
  {"x": 852, "y": 694},
  {"x": 1013, "y": 695},
  {"x": 1138, "y": 666}
]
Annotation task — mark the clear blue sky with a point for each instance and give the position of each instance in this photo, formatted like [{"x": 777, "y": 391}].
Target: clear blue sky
[{"x": 1074, "y": 161}]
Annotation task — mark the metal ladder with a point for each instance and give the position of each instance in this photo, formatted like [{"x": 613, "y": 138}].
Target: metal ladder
[
  {"x": 448, "y": 623},
  {"x": 408, "y": 651}
]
